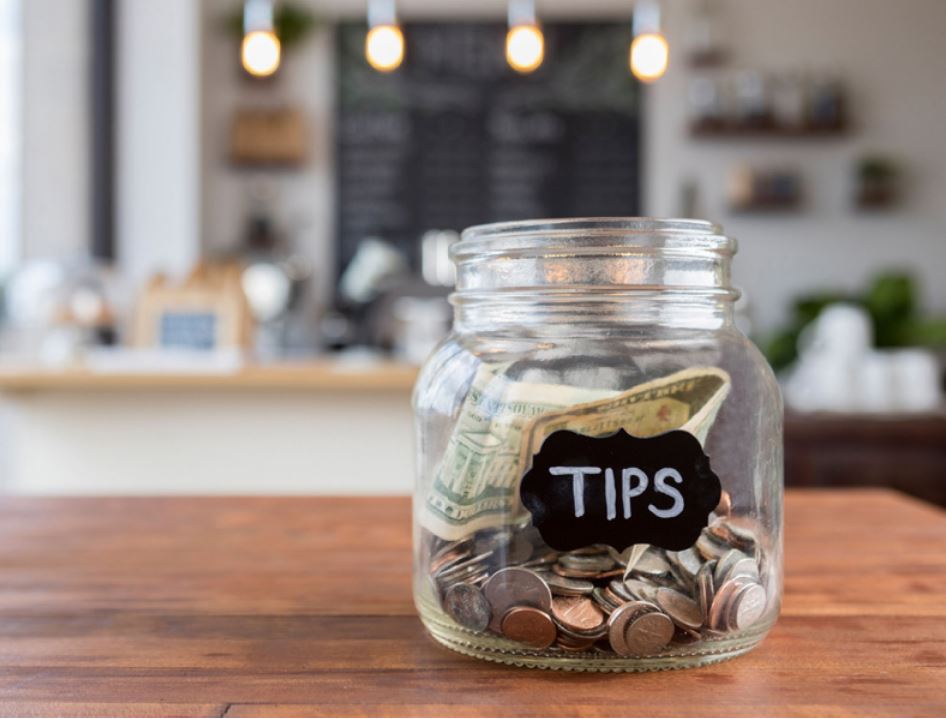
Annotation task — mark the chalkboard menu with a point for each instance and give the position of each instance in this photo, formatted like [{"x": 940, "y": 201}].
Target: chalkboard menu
[{"x": 455, "y": 137}]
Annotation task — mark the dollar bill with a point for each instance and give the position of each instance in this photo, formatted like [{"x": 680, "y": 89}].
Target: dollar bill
[{"x": 504, "y": 422}]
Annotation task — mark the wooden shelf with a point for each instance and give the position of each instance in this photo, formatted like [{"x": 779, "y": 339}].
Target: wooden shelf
[
  {"x": 324, "y": 375},
  {"x": 735, "y": 132}
]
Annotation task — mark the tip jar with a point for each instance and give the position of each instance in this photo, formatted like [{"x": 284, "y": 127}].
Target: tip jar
[{"x": 599, "y": 452}]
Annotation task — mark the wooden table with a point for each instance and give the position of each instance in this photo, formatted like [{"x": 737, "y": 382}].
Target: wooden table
[{"x": 243, "y": 607}]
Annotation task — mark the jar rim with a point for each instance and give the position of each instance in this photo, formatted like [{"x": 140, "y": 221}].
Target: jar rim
[{"x": 582, "y": 235}]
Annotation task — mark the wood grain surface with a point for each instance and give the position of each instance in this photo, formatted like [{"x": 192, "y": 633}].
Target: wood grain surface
[{"x": 295, "y": 606}]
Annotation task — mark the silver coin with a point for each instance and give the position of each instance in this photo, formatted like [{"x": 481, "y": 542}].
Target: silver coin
[
  {"x": 745, "y": 568},
  {"x": 620, "y": 619},
  {"x": 684, "y": 612},
  {"x": 567, "y": 586},
  {"x": 705, "y": 588},
  {"x": 648, "y": 633},
  {"x": 516, "y": 587},
  {"x": 587, "y": 563},
  {"x": 468, "y": 606},
  {"x": 747, "y": 606},
  {"x": 726, "y": 562},
  {"x": 651, "y": 564},
  {"x": 718, "y": 613},
  {"x": 689, "y": 561},
  {"x": 709, "y": 548}
]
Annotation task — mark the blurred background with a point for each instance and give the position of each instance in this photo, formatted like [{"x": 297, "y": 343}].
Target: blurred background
[{"x": 224, "y": 225}]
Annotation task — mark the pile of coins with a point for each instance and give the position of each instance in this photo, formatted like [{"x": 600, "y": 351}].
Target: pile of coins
[{"x": 632, "y": 603}]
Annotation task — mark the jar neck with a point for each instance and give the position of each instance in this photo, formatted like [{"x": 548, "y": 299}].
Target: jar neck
[
  {"x": 594, "y": 275},
  {"x": 583, "y": 313}
]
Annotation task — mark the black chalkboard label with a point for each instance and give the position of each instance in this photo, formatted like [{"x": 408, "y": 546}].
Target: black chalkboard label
[{"x": 620, "y": 490}]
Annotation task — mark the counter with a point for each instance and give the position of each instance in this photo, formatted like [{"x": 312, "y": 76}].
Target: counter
[
  {"x": 301, "y": 428},
  {"x": 302, "y": 607}
]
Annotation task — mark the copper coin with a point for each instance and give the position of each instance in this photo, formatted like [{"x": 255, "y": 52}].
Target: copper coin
[
  {"x": 563, "y": 571},
  {"x": 578, "y": 614},
  {"x": 725, "y": 504},
  {"x": 530, "y": 626},
  {"x": 515, "y": 586}
]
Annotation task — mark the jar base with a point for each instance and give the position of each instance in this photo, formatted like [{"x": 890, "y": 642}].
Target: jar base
[{"x": 496, "y": 649}]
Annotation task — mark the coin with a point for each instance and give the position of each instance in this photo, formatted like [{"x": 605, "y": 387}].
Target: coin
[
  {"x": 726, "y": 562},
  {"x": 567, "y": 586},
  {"x": 705, "y": 588},
  {"x": 684, "y": 612},
  {"x": 564, "y": 571},
  {"x": 530, "y": 626},
  {"x": 578, "y": 614},
  {"x": 745, "y": 568},
  {"x": 747, "y": 606},
  {"x": 648, "y": 633},
  {"x": 709, "y": 547},
  {"x": 651, "y": 564},
  {"x": 514, "y": 586},
  {"x": 620, "y": 620},
  {"x": 725, "y": 504},
  {"x": 593, "y": 562},
  {"x": 689, "y": 561},
  {"x": 718, "y": 614},
  {"x": 468, "y": 607}
]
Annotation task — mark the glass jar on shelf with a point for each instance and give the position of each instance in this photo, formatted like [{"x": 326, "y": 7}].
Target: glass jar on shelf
[{"x": 599, "y": 452}]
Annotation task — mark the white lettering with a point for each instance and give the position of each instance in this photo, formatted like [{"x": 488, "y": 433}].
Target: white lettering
[
  {"x": 627, "y": 492},
  {"x": 610, "y": 494},
  {"x": 660, "y": 486},
  {"x": 578, "y": 483}
]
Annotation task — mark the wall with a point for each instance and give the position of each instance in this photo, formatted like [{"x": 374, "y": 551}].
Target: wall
[
  {"x": 891, "y": 54},
  {"x": 157, "y": 178},
  {"x": 55, "y": 218},
  {"x": 892, "y": 59}
]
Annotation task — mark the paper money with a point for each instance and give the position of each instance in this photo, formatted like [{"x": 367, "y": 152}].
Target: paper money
[
  {"x": 476, "y": 484},
  {"x": 503, "y": 423}
]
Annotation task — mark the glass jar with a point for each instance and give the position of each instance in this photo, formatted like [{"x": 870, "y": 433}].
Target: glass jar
[{"x": 599, "y": 452}]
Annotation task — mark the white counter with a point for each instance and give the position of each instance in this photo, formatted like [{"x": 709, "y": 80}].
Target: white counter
[{"x": 282, "y": 429}]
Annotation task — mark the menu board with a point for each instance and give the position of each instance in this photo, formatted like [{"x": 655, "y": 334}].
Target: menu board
[{"x": 455, "y": 137}]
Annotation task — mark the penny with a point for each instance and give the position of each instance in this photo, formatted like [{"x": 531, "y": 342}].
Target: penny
[
  {"x": 530, "y": 626},
  {"x": 468, "y": 607},
  {"x": 648, "y": 633},
  {"x": 564, "y": 571},
  {"x": 514, "y": 586},
  {"x": 579, "y": 614},
  {"x": 684, "y": 612},
  {"x": 725, "y": 504}
]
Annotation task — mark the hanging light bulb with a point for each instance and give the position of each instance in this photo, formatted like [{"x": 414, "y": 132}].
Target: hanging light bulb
[
  {"x": 525, "y": 43},
  {"x": 650, "y": 53},
  {"x": 261, "y": 49},
  {"x": 384, "y": 44}
]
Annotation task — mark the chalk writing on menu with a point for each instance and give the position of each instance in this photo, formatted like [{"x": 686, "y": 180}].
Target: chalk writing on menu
[{"x": 455, "y": 137}]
